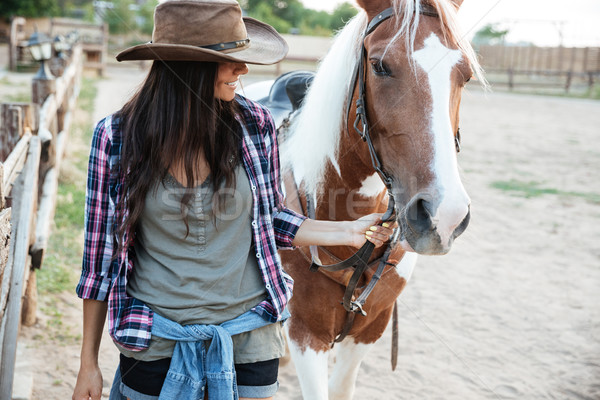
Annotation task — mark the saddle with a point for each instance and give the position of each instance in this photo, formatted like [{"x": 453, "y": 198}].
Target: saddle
[{"x": 286, "y": 94}]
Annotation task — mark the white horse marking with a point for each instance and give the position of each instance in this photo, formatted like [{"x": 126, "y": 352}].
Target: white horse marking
[
  {"x": 437, "y": 61},
  {"x": 406, "y": 266},
  {"x": 371, "y": 186},
  {"x": 348, "y": 357},
  {"x": 311, "y": 367}
]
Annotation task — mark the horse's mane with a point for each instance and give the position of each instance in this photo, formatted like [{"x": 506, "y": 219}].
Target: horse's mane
[{"x": 314, "y": 135}]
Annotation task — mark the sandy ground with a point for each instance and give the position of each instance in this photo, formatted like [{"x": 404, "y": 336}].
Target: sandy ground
[{"x": 511, "y": 313}]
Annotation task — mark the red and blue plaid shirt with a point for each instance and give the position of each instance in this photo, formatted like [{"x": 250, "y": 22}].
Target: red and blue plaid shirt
[{"x": 104, "y": 277}]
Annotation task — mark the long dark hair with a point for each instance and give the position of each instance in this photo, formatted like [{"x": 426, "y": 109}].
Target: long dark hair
[{"x": 172, "y": 118}]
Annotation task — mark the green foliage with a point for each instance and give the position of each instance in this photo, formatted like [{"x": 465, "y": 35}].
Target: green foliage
[
  {"x": 264, "y": 13},
  {"x": 28, "y": 8},
  {"x": 284, "y": 15},
  {"x": 341, "y": 15},
  {"x": 489, "y": 35},
  {"x": 146, "y": 16},
  {"x": 120, "y": 17}
]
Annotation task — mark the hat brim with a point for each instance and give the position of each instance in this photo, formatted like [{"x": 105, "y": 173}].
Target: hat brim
[{"x": 266, "y": 47}]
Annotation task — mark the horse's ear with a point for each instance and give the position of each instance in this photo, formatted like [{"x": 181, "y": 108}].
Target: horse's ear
[
  {"x": 373, "y": 7},
  {"x": 457, "y": 3}
]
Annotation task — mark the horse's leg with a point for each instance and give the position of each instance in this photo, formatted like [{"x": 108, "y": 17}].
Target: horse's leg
[
  {"x": 348, "y": 357},
  {"x": 311, "y": 368}
]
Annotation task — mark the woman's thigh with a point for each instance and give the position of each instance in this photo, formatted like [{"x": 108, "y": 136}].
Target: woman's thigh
[{"x": 144, "y": 379}]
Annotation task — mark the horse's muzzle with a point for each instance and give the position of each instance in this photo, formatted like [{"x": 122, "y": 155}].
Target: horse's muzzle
[{"x": 419, "y": 229}]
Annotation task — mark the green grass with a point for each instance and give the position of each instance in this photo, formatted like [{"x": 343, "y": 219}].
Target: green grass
[
  {"x": 21, "y": 97},
  {"x": 535, "y": 189}
]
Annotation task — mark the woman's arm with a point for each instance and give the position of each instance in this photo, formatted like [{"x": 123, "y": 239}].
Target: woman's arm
[
  {"x": 89, "y": 379},
  {"x": 339, "y": 233}
]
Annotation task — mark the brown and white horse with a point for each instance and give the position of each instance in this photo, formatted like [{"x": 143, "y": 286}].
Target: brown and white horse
[{"x": 416, "y": 64}]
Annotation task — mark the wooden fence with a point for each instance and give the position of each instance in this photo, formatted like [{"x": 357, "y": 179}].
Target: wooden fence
[
  {"x": 559, "y": 67},
  {"x": 32, "y": 142}
]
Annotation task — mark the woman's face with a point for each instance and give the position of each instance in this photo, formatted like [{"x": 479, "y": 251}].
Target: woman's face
[{"x": 227, "y": 81}]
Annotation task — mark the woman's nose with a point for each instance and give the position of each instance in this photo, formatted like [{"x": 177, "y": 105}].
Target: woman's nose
[{"x": 241, "y": 68}]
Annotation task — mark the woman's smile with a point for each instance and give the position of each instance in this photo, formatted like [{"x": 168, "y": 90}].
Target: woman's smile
[{"x": 227, "y": 81}]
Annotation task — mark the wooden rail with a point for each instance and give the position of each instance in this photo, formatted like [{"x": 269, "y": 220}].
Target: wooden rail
[
  {"x": 32, "y": 142},
  {"x": 542, "y": 67}
]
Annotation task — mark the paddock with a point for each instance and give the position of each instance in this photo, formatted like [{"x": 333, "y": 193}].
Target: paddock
[{"x": 511, "y": 312}]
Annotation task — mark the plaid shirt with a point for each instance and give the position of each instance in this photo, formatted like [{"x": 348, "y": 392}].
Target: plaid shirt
[{"x": 105, "y": 278}]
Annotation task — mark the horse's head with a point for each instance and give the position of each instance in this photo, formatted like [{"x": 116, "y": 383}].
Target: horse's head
[{"x": 415, "y": 70}]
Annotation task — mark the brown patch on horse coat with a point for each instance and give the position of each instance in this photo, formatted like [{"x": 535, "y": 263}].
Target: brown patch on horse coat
[{"x": 317, "y": 328}]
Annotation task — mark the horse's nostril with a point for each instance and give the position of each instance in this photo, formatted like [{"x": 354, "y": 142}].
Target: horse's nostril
[{"x": 419, "y": 215}]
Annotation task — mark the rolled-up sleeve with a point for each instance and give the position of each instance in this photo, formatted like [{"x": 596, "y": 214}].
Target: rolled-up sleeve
[
  {"x": 285, "y": 221},
  {"x": 97, "y": 253}
]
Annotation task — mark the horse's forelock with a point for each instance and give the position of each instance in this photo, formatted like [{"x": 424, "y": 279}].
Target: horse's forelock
[{"x": 407, "y": 25}]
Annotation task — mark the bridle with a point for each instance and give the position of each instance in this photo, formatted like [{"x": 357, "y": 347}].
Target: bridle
[{"x": 360, "y": 260}]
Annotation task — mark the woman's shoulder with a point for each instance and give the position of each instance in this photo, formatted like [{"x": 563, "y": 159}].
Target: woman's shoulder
[
  {"x": 108, "y": 128},
  {"x": 254, "y": 112}
]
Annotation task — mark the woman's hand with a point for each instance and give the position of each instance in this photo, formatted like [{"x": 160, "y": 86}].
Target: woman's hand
[
  {"x": 89, "y": 383},
  {"x": 344, "y": 233},
  {"x": 366, "y": 228}
]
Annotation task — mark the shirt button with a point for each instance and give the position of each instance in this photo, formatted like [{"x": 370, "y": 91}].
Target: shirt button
[
  {"x": 268, "y": 286},
  {"x": 253, "y": 223},
  {"x": 257, "y": 255},
  {"x": 253, "y": 187}
]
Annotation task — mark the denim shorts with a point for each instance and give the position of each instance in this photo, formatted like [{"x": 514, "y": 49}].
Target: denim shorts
[{"x": 143, "y": 380}]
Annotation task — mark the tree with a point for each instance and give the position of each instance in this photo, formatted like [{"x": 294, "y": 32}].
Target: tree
[
  {"x": 264, "y": 12},
  {"x": 146, "y": 16},
  {"x": 341, "y": 15},
  {"x": 28, "y": 8},
  {"x": 118, "y": 14},
  {"x": 489, "y": 35}
]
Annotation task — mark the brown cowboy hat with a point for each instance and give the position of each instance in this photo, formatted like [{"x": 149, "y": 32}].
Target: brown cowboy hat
[{"x": 208, "y": 30}]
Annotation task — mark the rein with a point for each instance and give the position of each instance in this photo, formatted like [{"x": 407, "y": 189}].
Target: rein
[{"x": 360, "y": 260}]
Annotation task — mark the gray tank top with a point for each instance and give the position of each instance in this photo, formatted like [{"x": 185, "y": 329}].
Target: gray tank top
[{"x": 207, "y": 277}]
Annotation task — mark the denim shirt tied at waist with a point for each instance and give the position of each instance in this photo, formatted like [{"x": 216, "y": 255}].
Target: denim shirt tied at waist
[{"x": 189, "y": 375}]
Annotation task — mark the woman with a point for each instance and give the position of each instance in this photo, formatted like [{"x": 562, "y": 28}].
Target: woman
[{"x": 184, "y": 217}]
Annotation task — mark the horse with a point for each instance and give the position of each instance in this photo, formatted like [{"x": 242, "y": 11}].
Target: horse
[{"x": 399, "y": 66}]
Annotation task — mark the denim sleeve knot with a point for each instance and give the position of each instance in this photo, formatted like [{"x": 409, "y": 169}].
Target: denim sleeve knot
[{"x": 194, "y": 369}]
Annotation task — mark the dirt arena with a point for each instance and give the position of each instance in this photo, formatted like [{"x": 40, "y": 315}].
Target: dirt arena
[{"x": 511, "y": 313}]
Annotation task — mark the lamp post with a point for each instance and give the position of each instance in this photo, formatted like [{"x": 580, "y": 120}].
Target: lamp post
[
  {"x": 44, "y": 83},
  {"x": 59, "y": 63}
]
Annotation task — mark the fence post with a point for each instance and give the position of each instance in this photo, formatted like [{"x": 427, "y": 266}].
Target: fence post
[
  {"x": 569, "y": 81},
  {"x": 16, "y": 24},
  {"x": 511, "y": 79},
  {"x": 26, "y": 197}
]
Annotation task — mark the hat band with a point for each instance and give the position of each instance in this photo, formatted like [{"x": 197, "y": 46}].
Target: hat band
[
  {"x": 224, "y": 45},
  {"x": 227, "y": 45}
]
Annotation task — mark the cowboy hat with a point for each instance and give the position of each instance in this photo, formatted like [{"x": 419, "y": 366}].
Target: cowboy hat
[{"x": 208, "y": 30}]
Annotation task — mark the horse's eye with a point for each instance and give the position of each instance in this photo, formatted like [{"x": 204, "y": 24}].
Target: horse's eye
[
  {"x": 468, "y": 79},
  {"x": 379, "y": 68}
]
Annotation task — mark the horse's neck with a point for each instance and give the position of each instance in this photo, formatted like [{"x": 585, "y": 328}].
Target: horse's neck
[{"x": 344, "y": 197}]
